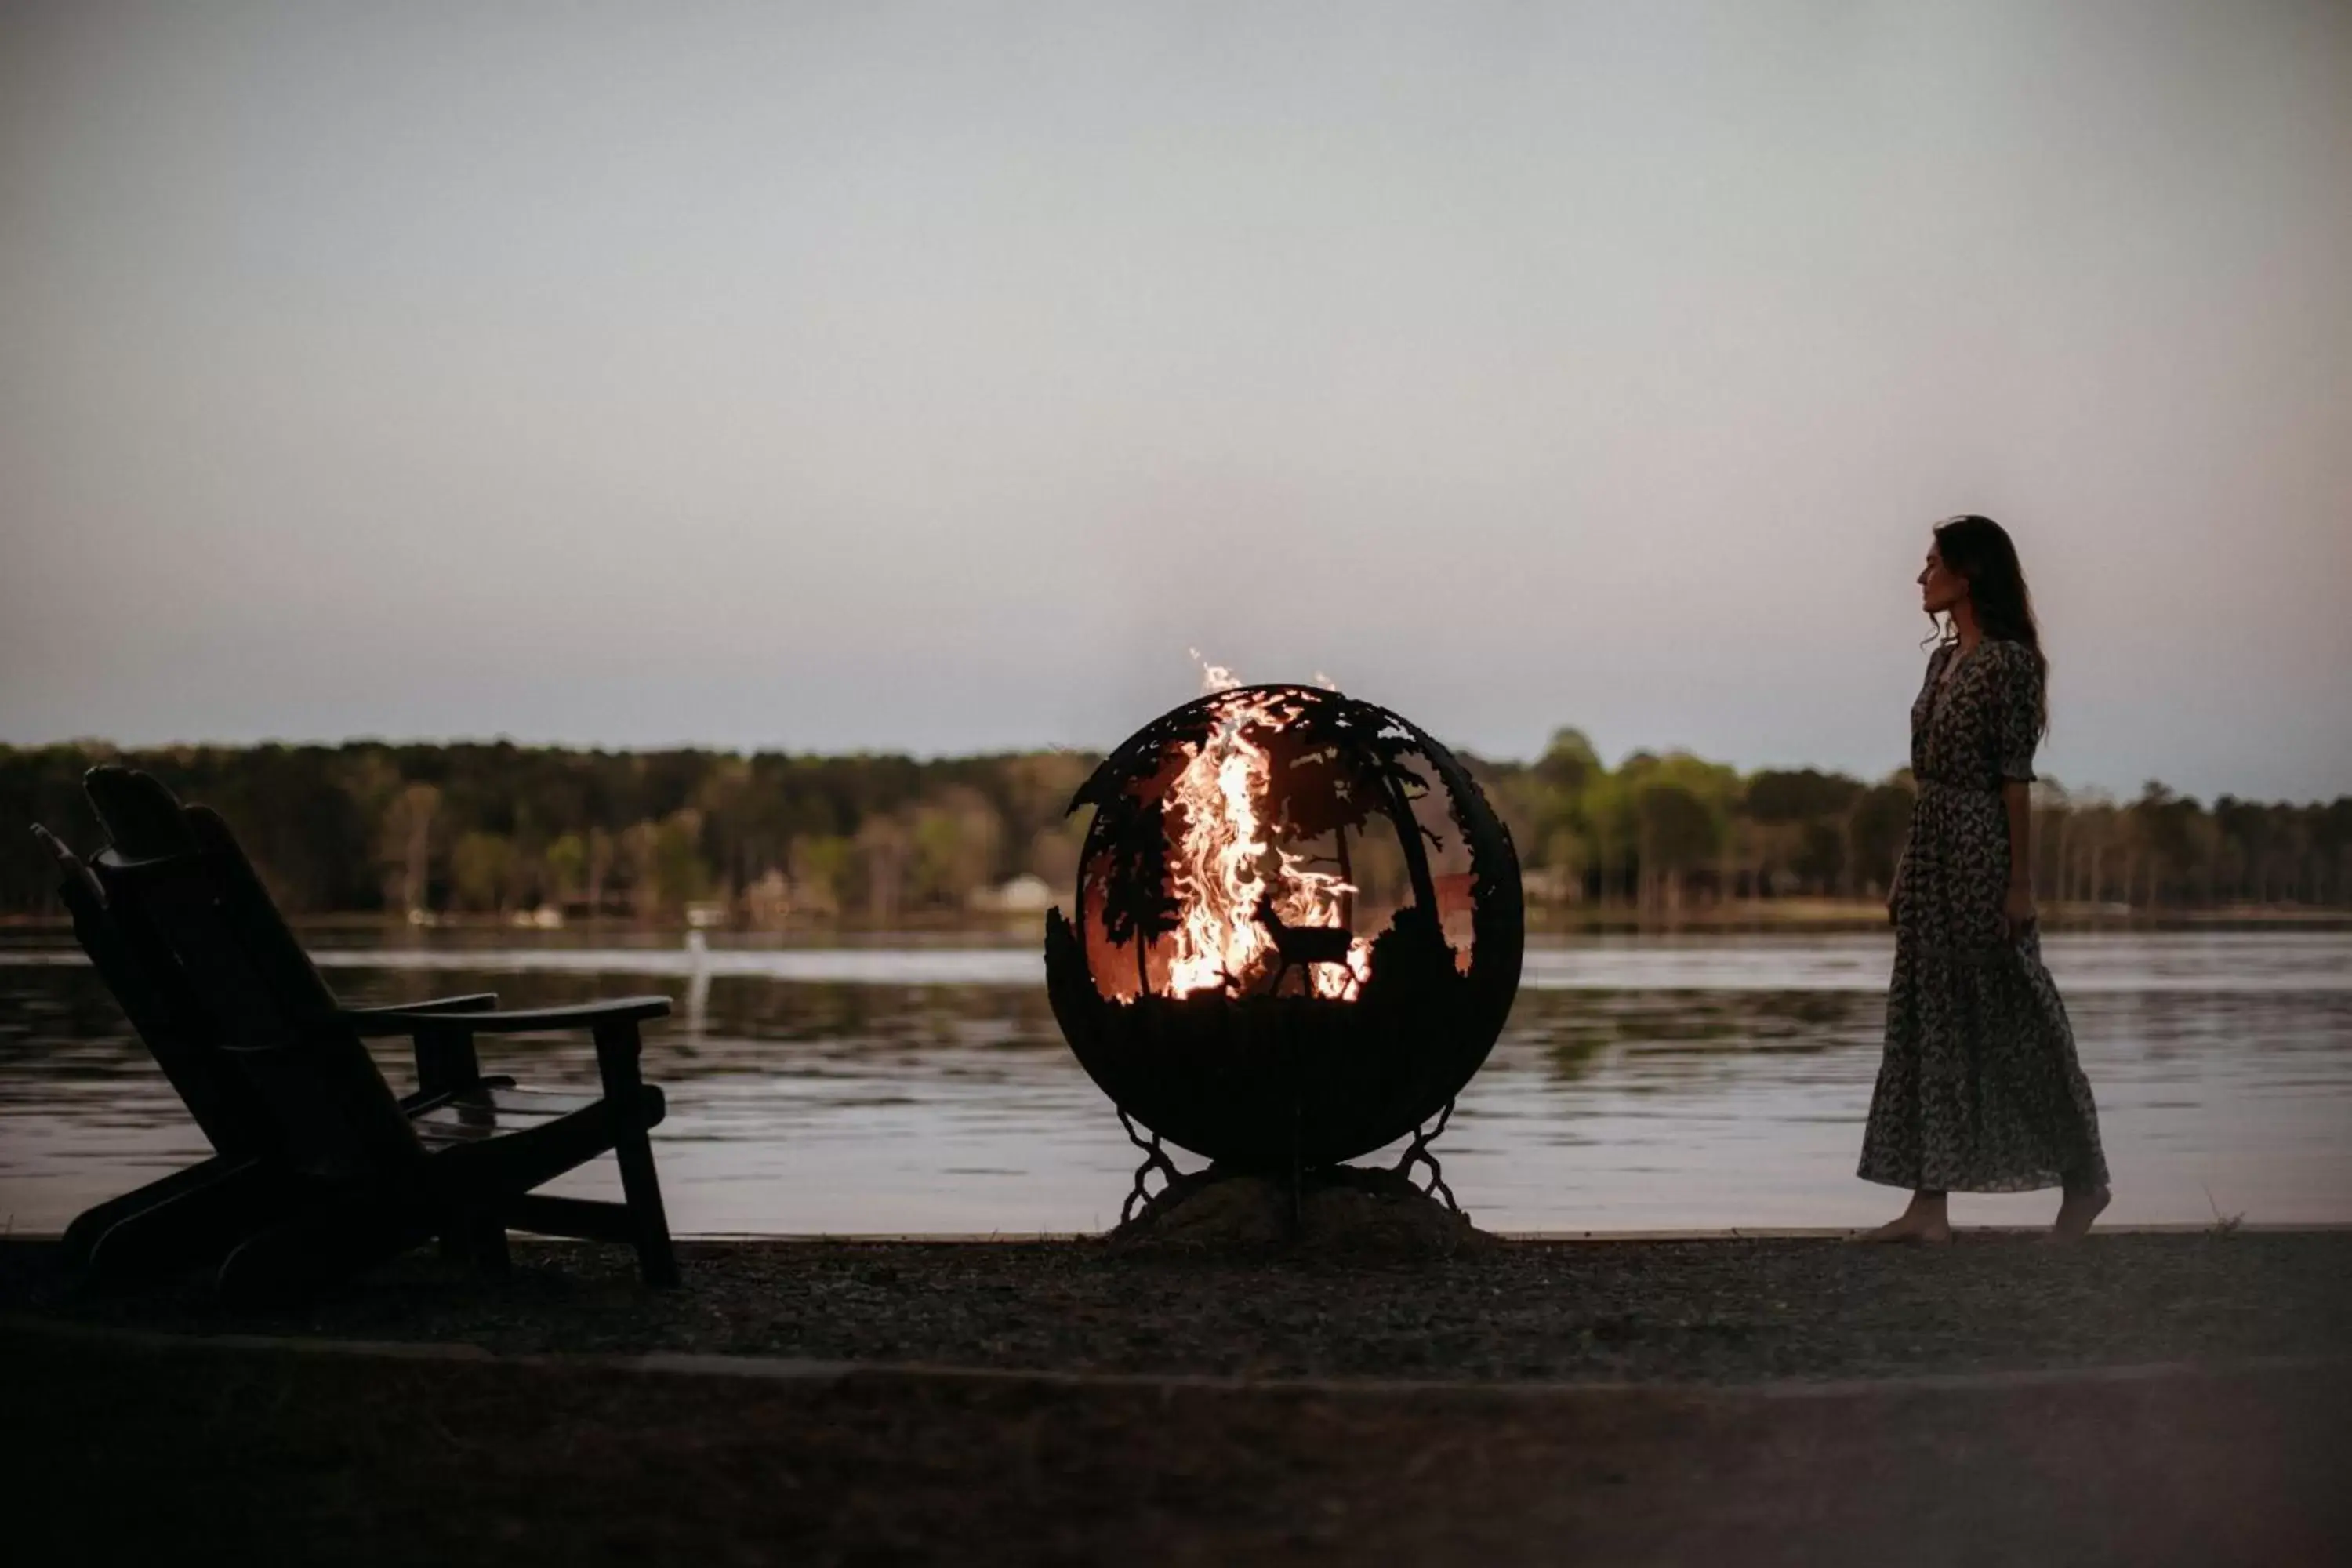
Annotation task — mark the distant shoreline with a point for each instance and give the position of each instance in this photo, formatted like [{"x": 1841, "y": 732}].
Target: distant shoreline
[{"x": 1789, "y": 917}]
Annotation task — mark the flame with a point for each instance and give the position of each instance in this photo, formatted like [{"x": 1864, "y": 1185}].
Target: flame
[
  {"x": 1224, "y": 864},
  {"x": 1215, "y": 678}
]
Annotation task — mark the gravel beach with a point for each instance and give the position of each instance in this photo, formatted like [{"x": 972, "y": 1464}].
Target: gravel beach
[
  {"x": 1720, "y": 1309},
  {"x": 2145, "y": 1398}
]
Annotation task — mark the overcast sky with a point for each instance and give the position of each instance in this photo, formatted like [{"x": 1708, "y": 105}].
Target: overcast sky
[{"x": 930, "y": 378}]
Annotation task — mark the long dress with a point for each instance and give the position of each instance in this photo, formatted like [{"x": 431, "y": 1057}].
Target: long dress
[{"x": 1979, "y": 1090}]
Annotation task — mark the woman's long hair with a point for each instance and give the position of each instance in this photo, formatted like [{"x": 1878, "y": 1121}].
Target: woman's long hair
[{"x": 1979, "y": 550}]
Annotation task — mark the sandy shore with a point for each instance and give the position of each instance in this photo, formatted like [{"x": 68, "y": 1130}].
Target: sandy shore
[
  {"x": 1710, "y": 1310},
  {"x": 2143, "y": 1399}
]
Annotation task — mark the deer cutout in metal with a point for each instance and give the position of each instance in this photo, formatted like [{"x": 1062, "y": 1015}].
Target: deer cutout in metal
[{"x": 1303, "y": 946}]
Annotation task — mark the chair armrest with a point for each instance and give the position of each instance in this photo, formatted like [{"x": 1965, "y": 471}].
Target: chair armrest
[
  {"x": 446, "y": 1060},
  {"x": 375, "y": 1023},
  {"x": 474, "y": 1002}
]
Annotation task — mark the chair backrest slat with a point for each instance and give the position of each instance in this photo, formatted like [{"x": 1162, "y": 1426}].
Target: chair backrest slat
[
  {"x": 155, "y": 998},
  {"x": 274, "y": 1020}
]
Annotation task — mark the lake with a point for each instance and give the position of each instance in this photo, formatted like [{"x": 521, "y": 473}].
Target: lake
[{"x": 1642, "y": 1083}]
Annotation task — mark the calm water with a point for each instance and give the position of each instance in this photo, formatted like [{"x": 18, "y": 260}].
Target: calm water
[{"x": 1642, "y": 1083}]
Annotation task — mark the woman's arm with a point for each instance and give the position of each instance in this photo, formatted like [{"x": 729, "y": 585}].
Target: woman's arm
[
  {"x": 2017, "y": 904},
  {"x": 2017, "y": 718}
]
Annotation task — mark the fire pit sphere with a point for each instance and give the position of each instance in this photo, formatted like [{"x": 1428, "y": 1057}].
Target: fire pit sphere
[{"x": 1298, "y": 928}]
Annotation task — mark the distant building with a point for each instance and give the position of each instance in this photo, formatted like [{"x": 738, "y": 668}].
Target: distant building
[
  {"x": 1551, "y": 885},
  {"x": 1023, "y": 895},
  {"x": 768, "y": 903}
]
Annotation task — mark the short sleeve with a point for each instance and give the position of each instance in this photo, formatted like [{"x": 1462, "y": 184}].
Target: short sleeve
[{"x": 2016, "y": 711}]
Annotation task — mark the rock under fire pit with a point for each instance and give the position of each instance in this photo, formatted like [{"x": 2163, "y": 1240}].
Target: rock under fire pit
[{"x": 1339, "y": 1209}]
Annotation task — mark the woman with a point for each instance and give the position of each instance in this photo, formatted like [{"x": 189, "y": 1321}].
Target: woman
[{"x": 1979, "y": 1090}]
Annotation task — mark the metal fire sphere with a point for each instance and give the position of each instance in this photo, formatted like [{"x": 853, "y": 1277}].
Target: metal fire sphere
[{"x": 1298, "y": 928}]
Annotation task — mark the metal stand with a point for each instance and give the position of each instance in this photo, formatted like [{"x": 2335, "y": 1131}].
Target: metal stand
[
  {"x": 1154, "y": 1158},
  {"x": 1417, "y": 1154}
]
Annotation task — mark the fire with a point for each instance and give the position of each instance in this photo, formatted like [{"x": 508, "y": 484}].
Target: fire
[
  {"x": 1224, "y": 864},
  {"x": 1215, "y": 678}
]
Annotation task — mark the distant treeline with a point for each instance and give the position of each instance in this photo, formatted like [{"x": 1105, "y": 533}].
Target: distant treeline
[{"x": 761, "y": 840}]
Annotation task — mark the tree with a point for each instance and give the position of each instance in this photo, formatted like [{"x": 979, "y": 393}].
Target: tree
[
  {"x": 604, "y": 853},
  {"x": 408, "y": 835},
  {"x": 955, "y": 837},
  {"x": 1568, "y": 854},
  {"x": 884, "y": 847},
  {"x": 566, "y": 860},
  {"x": 1053, "y": 853},
  {"x": 371, "y": 825},
  {"x": 1820, "y": 864},
  {"x": 482, "y": 870},
  {"x": 1678, "y": 833},
  {"x": 819, "y": 866},
  {"x": 680, "y": 876},
  {"x": 1795, "y": 834},
  {"x": 635, "y": 854},
  {"x": 1876, "y": 828},
  {"x": 1569, "y": 763},
  {"x": 1802, "y": 796}
]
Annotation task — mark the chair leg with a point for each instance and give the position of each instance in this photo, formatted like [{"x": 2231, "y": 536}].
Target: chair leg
[
  {"x": 617, "y": 1060},
  {"x": 197, "y": 1222},
  {"x": 656, "y": 1260}
]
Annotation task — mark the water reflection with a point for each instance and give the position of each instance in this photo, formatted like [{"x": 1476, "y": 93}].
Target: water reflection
[{"x": 881, "y": 1098}]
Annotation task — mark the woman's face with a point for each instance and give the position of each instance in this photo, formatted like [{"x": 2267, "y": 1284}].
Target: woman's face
[{"x": 1940, "y": 587}]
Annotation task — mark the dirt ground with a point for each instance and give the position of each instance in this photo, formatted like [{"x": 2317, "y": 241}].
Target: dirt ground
[
  {"x": 1713, "y": 1311},
  {"x": 1699, "y": 1402}
]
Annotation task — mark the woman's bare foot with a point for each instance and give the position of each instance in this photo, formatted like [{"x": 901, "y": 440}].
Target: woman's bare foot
[
  {"x": 1927, "y": 1219},
  {"x": 2076, "y": 1213}
]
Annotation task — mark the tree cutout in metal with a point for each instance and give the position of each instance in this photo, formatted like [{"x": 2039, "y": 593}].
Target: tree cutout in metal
[{"x": 1216, "y": 978}]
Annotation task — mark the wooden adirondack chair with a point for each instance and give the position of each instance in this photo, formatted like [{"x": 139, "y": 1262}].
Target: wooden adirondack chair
[
  {"x": 319, "y": 1169},
  {"x": 205, "y": 1206}
]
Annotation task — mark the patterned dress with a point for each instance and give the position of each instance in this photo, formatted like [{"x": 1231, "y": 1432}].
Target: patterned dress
[{"x": 1979, "y": 1090}]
